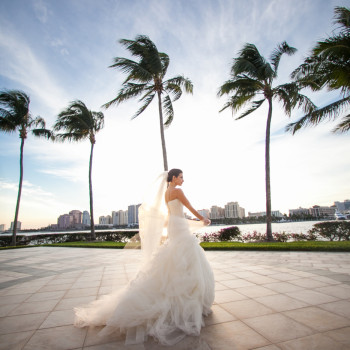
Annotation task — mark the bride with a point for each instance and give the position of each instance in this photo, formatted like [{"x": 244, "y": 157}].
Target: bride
[{"x": 173, "y": 289}]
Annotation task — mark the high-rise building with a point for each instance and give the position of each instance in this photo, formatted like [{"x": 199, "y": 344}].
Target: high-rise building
[
  {"x": 233, "y": 210},
  {"x": 217, "y": 212},
  {"x": 299, "y": 211},
  {"x": 86, "y": 218},
  {"x": 2, "y": 227},
  {"x": 123, "y": 217},
  {"x": 105, "y": 220},
  {"x": 322, "y": 211},
  {"x": 133, "y": 214},
  {"x": 64, "y": 221},
  {"x": 275, "y": 213},
  {"x": 75, "y": 217},
  {"x": 205, "y": 213},
  {"x": 19, "y": 225},
  {"x": 343, "y": 207}
]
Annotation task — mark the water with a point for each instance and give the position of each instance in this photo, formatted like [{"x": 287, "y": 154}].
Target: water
[{"x": 288, "y": 227}]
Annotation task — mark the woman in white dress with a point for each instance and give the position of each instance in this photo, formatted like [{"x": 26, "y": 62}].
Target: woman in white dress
[{"x": 173, "y": 289}]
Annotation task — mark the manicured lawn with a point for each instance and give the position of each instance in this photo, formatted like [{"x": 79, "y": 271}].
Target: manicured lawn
[{"x": 343, "y": 246}]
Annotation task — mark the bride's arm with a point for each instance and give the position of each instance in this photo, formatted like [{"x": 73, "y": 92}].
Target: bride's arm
[{"x": 182, "y": 198}]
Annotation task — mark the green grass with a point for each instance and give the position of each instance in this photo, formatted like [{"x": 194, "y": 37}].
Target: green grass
[{"x": 343, "y": 246}]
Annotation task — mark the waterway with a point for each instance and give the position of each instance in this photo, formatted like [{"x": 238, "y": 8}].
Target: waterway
[{"x": 288, "y": 227}]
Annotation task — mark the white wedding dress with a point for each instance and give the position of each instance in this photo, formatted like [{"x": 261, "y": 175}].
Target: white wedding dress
[{"x": 168, "y": 297}]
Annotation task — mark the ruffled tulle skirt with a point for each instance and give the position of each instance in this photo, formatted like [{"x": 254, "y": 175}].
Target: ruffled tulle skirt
[{"x": 168, "y": 297}]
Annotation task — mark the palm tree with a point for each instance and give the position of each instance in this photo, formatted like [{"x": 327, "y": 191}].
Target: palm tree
[
  {"x": 79, "y": 123},
  {"x": 146, "y": 77},
  {"x": 251, "y": 76},
  {"x": 328, "y": 66},
  {"x": 15, "y": 115}
]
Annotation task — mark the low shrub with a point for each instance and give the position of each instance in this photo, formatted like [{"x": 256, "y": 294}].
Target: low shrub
[
  {"x": 332, "y": 230},
  {"x": 229, "y": 233}
]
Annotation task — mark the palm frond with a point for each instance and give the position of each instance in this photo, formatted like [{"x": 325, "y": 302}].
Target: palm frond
[
  {"x": 128, "y": 91},
  {"x": 237, "y": 101},
  {"x": 241, "y": 83},
  {"x": 252, "y": 64},
  {"x": 164, "y": 58},
  {"x": 281, "y": 49},
  {"x": 168, "y": 110},
  {"x": 42, "y": 132},
  {"x": 329, "y": 112},
  {"x": 342, "y": 17},
  {"x": 134, "y": 70},
  {"x": 71, "y": 136},
  {"x": 253, "y": 108},
  {"x": 176, "y": 84},
  {"x": 147, "y": 99},
  {"x": 16, "y": 103},
  {"x": 78, "y": 122},
  {"x": 343, "y": 126}
]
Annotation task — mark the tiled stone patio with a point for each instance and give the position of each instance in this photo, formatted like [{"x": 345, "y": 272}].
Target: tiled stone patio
[{"x": 264, "y": 300}]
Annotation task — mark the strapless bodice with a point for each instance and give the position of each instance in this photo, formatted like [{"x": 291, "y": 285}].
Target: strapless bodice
[{"x": 176, "y": 208}]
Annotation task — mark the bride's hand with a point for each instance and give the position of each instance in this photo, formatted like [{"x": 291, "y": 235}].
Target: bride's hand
[{"x": 206, "y": 222}]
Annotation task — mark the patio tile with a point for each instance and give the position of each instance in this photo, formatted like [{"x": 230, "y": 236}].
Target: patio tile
[
  {"x": 278, "y": 328},
  {"x": 55, "y": 288},
  {"x": 281, "y": 302},
  {"x": 6, "y": 309},
  {"x": 70, "y": 303},
  {"x": 255, "y": 291},
  {"x": 59, "y": 338},
  {"x": 93, "y": 338},
  {"x": 313, "y": 342},
  {"x": 46, "y": 296},
  {"x": 246, "y": 309},
  {"x": 218, "y": 315},
  {"x": 311, "y": 297},
  {"x": 336, "y": 291},
  {"x": 340, "y": 335},
  {"x": 13, "y": 299},
  {"x": 341, "y": 307},
  {"x": 59, "y": 318},
  {"x": 232, "y": 335},
  {"x": 34, "y": 307},
  {"x": 225, "y": 296},
  {"x": 282, "y": 287},
  {"x": 21, "y": 323},
  {"x": 14, "y": 341},
  {"x": 75, "y": 293},
  {"x": 308, "y": 283},
  {"x": 318, "y": 319},
  {"x": 236, "y": 283}
]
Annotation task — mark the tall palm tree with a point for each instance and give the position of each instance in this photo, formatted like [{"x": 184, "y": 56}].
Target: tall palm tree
[
  {"x": 145, "y": 78},
  {"x": 328, "y": 66},
  {"x": 15, "y": 116},
  {"x": 79, "y": 123},
  {"x": 251, "y": 76}
]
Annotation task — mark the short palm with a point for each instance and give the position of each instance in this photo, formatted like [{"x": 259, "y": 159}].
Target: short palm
[
  {"x": 15, "y": 116},
  {"x": 252, "y": 76},
  {"x": 328, "y": 66},
  {"x": 78, "y": 123},
  {"x": 145, "y": 79}
]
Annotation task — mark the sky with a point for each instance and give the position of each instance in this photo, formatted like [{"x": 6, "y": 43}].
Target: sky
[{"x": 60, "y": 51}]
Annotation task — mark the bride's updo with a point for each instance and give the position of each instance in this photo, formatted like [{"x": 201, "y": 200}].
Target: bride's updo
[{"x": 173, "y": 172}]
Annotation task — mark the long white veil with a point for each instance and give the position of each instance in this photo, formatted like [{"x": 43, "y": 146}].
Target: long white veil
[{"x": 152, "y": 218}]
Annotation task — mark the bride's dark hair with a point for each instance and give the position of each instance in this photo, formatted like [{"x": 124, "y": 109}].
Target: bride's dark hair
[{"x": 173, "y": 172}]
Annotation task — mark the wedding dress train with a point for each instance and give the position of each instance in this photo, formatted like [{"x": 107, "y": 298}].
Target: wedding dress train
[{"x": 168, "y": 297}]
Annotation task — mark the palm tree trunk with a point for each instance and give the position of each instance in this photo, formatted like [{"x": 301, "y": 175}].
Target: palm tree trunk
[
  {"x": 19, "y": 193},
  {"x": 267, "y": 174},
  {"x": 165, "y": 160},
  {"x": 93, "y": 235}
]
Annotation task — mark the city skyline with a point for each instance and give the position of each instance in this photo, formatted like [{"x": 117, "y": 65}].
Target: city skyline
[{"x": 60, "y": 51}]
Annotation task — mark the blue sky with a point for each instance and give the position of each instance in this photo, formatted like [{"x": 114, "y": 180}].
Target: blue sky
[{"x": 59, "y": 51}]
